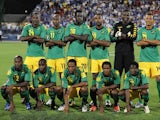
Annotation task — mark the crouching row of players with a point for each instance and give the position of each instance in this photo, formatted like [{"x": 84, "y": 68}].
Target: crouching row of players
[{"x": 74, "y": 84}]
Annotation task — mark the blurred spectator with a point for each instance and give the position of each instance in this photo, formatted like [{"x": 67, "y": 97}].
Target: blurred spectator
[{"x": 111, "y": 10}]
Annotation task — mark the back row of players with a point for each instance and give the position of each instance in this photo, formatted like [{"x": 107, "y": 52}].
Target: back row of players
[{"x": 74, "y": 82}]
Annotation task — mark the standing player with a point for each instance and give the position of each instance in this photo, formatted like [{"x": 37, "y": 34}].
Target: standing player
[
  {"x": 99, "y": 49},
  {"x": 108, "y": 82},
  {"x": 135, "y": 86},
  {"x": 44, "y": 82},
  {"x": 74, "y": 83},
  {"x": 124, "y": 33},
  {"x": 55, "y": 55},
  {"x": 19, "y": 77},
  {"x": 35, "y": 35},
  {"x": 78, "y": 34},
  {"x": 149, "y": 39}
]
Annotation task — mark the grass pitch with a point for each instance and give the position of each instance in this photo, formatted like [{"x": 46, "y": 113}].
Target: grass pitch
[{"x": 10, "y": 49}]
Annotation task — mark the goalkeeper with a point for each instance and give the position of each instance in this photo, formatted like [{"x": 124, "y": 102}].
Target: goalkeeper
[{"x": 123, "y": 33}]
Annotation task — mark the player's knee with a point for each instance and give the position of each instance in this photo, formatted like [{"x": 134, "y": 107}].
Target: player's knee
[
  {"x": 3, "y": 88},
  {"x": 84, "y": 89},
  {"x": 114, "y": 92},
  {"x": 93, "y": 89},
  {"x": 8, "y": 89},
  {"x": 23, "y": 89},
  {"x": 144, "y": 92},
  {"x": 120, "y": 93},
  {"x": 58, "y": 89}
]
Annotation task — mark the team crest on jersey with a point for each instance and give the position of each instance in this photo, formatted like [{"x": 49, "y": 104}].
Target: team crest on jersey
[
  {"x": 59, "y": 31},
  {"x": 102, "y": 31},
  {"x": 153, "y": 31},
  {"x": 117, "y": 72}
]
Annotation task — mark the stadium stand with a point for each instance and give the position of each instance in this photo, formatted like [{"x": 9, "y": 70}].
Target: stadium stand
[{"x": 111, "y": 10}]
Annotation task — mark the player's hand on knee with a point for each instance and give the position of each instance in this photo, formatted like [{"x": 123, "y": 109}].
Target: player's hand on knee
[{"x": 99, "y": 91}]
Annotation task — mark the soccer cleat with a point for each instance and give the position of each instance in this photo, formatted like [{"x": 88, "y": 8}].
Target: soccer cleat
[
  {"x": 116, "y": 108},
  {"x": 91, "y": 103},
  {"x": 61, "y": 108},
  {"x": 49, "y": 102},
  {"x": 125, "y": 110},
  {"x": 93, "y": 108},
  {"x": 28, "y": 106},
  {"x": 146, "y": 109},
  {"x": 84, "y": 108},
  {"x": 108, "y": 103},
  {"x": 139, "y": 105},
  {"x": 7, "y": 106}
]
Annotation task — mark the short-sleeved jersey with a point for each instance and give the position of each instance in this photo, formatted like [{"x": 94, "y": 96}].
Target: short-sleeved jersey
[
  {"x": 77, "y": 48},
  {"x": 44, "y": 78},
  {"x": 103, "y": 80},
  {"x": 14, "y": 76},
  {"x": 99, "y": 52},
  {"x": 149, "y": 53},
  {"x": 34, "y": 49},
  {"x": 125, "y": 45},
  {"x": 71, "y": 79},
  {"x": 138, "y": 80},
  {"x": 55, "y": 35}
]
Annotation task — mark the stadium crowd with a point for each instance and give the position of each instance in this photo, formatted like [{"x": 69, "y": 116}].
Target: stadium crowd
[{"x": 111, "y": 12}]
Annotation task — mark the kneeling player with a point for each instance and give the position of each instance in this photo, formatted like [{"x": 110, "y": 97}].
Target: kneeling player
[
  {"x": 135, "y": 86},
  {"x": 18, "y": 82},
  {"x": 44, "y": 82},
  {"x": 107, "y": 82},
  {"x": 74, "y": 84}
]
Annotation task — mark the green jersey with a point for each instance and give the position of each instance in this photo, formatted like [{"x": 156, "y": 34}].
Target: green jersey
[
  {"x": 55, "y": 35},
  {"x": 44, "y": 78},
  {"x": 103, "y": 80},
  {"x": 99, "y": 52},
  {"x": 77, "y": 48},
  {"x": 138, "y": 80},
  {"x": 71, "y": 79},
  {"x": 34, "y": 49},
  {"x": 15, "y": 76},
  {"x": 149, "y": 53}
]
